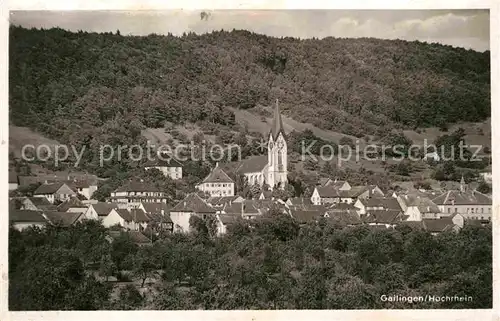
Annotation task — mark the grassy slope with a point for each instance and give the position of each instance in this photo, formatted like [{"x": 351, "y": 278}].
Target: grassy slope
[{"x": 22, "y": 135}]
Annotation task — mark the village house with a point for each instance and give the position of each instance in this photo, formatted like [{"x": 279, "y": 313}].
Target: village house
[
  {"x": 219, "y": 202},
  {"x": 332, "y": 193},
  {"x": 84, "y": 187},
  {"x": 470, "y": 204},
  {"x": 119, "y": 217},
  {"x": 329, "y": 192},
  {"x": 387, "y": 218},
  {"x": 417, "y": 208},
  {"x": 73, "y": 204},
  {"x": 437, "y": 226},
  {"x": 225, "y": 221},
  {"x": 217, "y": 183},
  {"x": 22, "y": 219},
  {"x": 54, "y": 192},
  {"x": 98, "y": 210},
  {"x": 134, "y": 192},
  {"x": 190, "y": 206},
  {"x": 64, "y": 219},
  {"x": 36, "y": 204},
  {"x": 343, "y": 214},
  {"x": 170, "y": 167},
  {"x": 303, "y": 217},
  {"x": 298, "y": 201},
  {"x": 246, "y": 209},
  {"x": 376, "y": 203}
]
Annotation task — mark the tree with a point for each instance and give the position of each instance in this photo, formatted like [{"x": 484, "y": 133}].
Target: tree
[
  {"x": 484, "y": 187},
  {"x": 129, "y": 298},
  {"x": 144, "y": 263},
  {"x": 107, "y": 267},
  {"x": 53, "y": 279}
]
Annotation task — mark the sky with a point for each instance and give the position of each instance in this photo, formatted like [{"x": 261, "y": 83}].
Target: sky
[{"x": 460, "y": 28}]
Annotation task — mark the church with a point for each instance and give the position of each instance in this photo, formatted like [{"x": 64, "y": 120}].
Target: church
[{"x": 270, "y": 169}]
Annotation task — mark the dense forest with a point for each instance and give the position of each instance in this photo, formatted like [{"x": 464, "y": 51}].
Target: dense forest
[
  {"x": 275, "y": 264},
  {"x": 75, "y": 86}
]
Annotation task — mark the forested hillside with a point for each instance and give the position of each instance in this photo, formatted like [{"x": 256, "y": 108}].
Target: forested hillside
[{"x": 87, "y": 88}]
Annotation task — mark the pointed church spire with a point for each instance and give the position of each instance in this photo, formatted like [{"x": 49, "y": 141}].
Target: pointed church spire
[
  {"x": 462, "y": 184},
  {"x": 277, "y": 125}
]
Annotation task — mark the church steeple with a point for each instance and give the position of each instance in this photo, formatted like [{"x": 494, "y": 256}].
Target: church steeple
[
  {"x": 462, "y": 185},
  {"x": 277, "y": 126}
]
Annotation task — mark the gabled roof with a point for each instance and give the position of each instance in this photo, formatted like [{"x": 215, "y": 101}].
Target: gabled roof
[
  {"x": 247, "y": 207},
  {"x": 328, "y": 191},
  {"x": 228, "y": 219},
  {"x": 277, "y": 125},
  {"x": 75, "y": 184},
  {"x": 37, "y": 201},
  {"x": 71, "y": 202},
  {"x": 218, "y": 176},
  {"x": 221, "y": 200},
  {"x": 355, "y": 191},
  {"x": 103, "y": 209},
  {"x": 159, "y": 218},
  {"x": 138, "y": 215},
  {"x": 123, "y": 213},
  {"x": 424, "y": 204},
  {"x": 299, "y": 201},
  {"x": 251, "y": 165},
  {"x": 438, "y": 225},
  {"x": 25, "y": 216},
  {"x": 383, "y": 216},
  {"x": 341, "y": 207},
  {"x": 50, "y": 207},
  {"x": 463, "y": 198},
  {"x": 193, "y": 203},
  {"x": 344, "y": 218},
  {"x": 63, "y": 218},
  {"x": 306, "y": 216},
  {"x": 48, "y": 188},
  {"x": 137, "y": 186},
  {"x": 384, "y": 202},
  {"x": 155, "y": 207}
]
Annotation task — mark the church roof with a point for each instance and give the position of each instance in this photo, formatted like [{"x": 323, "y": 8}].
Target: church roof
[
  {"x": 251, "y": 165},
  {"x": 218, "y": 176},
  {"x": 277, "y": 125}
]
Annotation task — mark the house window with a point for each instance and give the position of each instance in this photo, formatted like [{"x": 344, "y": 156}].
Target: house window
[
  {"x": 482, "y": 210},
  {"x": 449, "y": 210},
  {"x": 456, "y": 210}
]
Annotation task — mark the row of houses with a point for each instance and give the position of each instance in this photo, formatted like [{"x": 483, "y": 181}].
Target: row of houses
[
  {"x": 55, "y": 189},
  {"x": 136, "y": 205}
]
